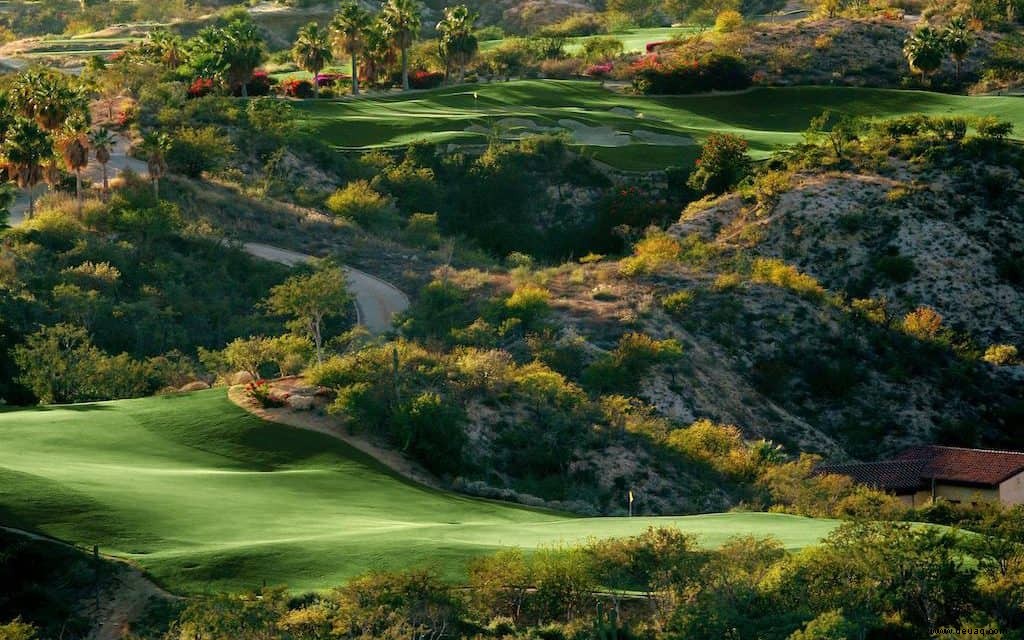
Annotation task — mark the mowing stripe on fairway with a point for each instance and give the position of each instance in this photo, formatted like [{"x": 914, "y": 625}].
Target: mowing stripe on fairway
[{"x": 207, "y": 497}]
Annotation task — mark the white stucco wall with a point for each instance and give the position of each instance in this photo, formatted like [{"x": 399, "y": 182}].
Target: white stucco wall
[{"x": 1011, "y": 491}]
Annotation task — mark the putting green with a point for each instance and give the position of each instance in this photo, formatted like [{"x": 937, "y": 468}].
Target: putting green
[
  {"x": 633, "y": 40},
  {"x": 207, "y": 497},
  {"x": 629, "y": 132}
]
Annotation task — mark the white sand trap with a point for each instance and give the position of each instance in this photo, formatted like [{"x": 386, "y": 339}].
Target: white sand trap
[
  {"x": 662, "y": 139},
  {"x": 596, "y": 136}
]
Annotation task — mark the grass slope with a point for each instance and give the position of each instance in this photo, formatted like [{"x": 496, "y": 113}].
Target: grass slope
[
  {"x": 770, "y": 118},
  {"x": 633, "y": 40},
  {"x": 206, "y": 497}
]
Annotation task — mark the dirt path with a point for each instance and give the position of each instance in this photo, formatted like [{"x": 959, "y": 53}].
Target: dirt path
[
  {"x": 325, "y": 424},
  {"x": 377, "y": 301},
  {"x": 123, "y": 601}
]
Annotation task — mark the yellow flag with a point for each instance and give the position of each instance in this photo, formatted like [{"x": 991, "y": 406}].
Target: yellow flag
[{"x": 631, "y": 495}]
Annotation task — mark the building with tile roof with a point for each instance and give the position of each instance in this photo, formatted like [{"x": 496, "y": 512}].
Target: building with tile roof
[{"x": 920, "y": 475}]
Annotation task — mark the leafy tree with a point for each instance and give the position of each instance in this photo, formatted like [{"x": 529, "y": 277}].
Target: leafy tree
[
  {"x": 25, "y": 149},
  {"x": 350, "y": 27},
  {"x": 312, "y": 51},
  {"x": 401, "y": 21},
  {"x": 309, "y": 300},
  {"x": 959, "y": 40},
  {"x": 248, "y": 355},
  {"x": 640, "y": 12},
  {"x": 73, "y": 142},
  {"x": 457, "y": 42},
  {"x": 8, "y": 193},
  {"x": 58, "y": 363},
  {"x": 839, "y": 131},
  {"x": 602, "y": 49},
  {"x": 722, "y": 164},
  {"x": 102, "y": 142},
  {"x": 924, "y": 49},
  {"x": 156, "y": 146}
]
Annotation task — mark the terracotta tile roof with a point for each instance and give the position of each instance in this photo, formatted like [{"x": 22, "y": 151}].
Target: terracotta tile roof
[
  {"x": 899, "y": 476},
  {"x": 971, "y": 466}
]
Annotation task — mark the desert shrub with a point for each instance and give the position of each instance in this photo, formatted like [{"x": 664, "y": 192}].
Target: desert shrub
[
  {"x": 677, "y": 303},
  {"x": 248, "y": 355},
  {"x": 925, "y": 323},
  {"x": 722, "y": 164},
  {"x": 577, "y": 25},
  {"x": 422, "y": 230},
  {"x": 710, "y": 72},
  {"x": 529, "y": 304},
  {"x": 655, "y": 252},
  {"x": 776, "y": 272},
  {"x": 562, "y": 69},
  {"x": 728, "y": 21},
  {"x": 896, "y": 268},
  {"x": 602, "y": 49},
  {"x": 197, "y": 150},
  {"x": 1002, "y": 355},
  {"x": 634, "y": 356},
  {"x": 993, "y": 128},
  {"x": 719, "y": 446},
  {"x": 359, "y": 202}
]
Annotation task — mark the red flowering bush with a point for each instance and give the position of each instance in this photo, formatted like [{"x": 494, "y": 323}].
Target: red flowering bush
[
  {"x": 330, "y": 79},
  {"x": 654, "y": 74},
  {"x": 420, "y": 79},
  {"x": 295, "y": 88},
  {"x": 259, "y": 84},
  {"x": 200, "y": 87},
  {"x": 602, "y": 70},
  {"x": 127, "y": 116}
]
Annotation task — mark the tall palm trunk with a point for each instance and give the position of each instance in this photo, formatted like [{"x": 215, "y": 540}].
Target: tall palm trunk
[
  {"x": 106, "y": 182},
  {"x": 355, "y": 75},
  {"x": 316, "y": 85},
  {"x": 31, "y": 203},
  {"x": 156, "y": 188},
  {"x": 78, "y": 190},
  {"x": 405, "y": 68}
]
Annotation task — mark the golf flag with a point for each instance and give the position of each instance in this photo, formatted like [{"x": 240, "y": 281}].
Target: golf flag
[{"x": 631, "y": 496}]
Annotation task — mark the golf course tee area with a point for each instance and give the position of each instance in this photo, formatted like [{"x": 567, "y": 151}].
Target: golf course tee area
[{"x": 206, "y": 497}]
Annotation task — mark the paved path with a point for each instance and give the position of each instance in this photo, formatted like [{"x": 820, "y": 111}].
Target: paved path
[
  {"x": 119, "y": 161},
  {"x": 377, "y": 301}
]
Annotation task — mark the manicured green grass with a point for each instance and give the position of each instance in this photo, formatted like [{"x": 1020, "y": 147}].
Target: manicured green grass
[
  {"x": 633, "y": 40},
  {"x": 206, "y": 497},
  {"x": 769, "y": 118}
]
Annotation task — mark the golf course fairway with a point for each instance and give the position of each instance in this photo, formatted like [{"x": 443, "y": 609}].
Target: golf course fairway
[
  {"x": 206, "y": 497},
  {"x": 626, "y": 132}
]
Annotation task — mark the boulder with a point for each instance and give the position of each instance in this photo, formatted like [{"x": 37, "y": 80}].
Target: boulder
[
  {"x": 301, "y": 403},
  {"x": 198, "y": 385},
  {"x": 242, "y": 377}
]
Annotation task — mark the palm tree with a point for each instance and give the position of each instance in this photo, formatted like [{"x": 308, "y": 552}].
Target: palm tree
[
  {"x": 959, "y": 41},
  {"x": 48, "y": 97},
  {"x": 73, "y": 143},
  {"x": 156, "y": 146},
  {"x": 24, "y": 151},
  {"x": 168, "y": 48},
  {"x": 350, "y": 27},
  {"x": 312, "y": 52},
  {"x": 924, "y": 49},
  {"x": 401, "y": 19},
  {"x": 102, "y": 141},
  {"x": 379, "y": 54},
  {"x": 458, "y": 45}
]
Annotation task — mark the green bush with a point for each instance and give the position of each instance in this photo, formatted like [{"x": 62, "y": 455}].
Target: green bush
[
  {"x": 359, "y": 202},
  {"x": 197, "y": 150},
  {"x": 723, "y": 163}
]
